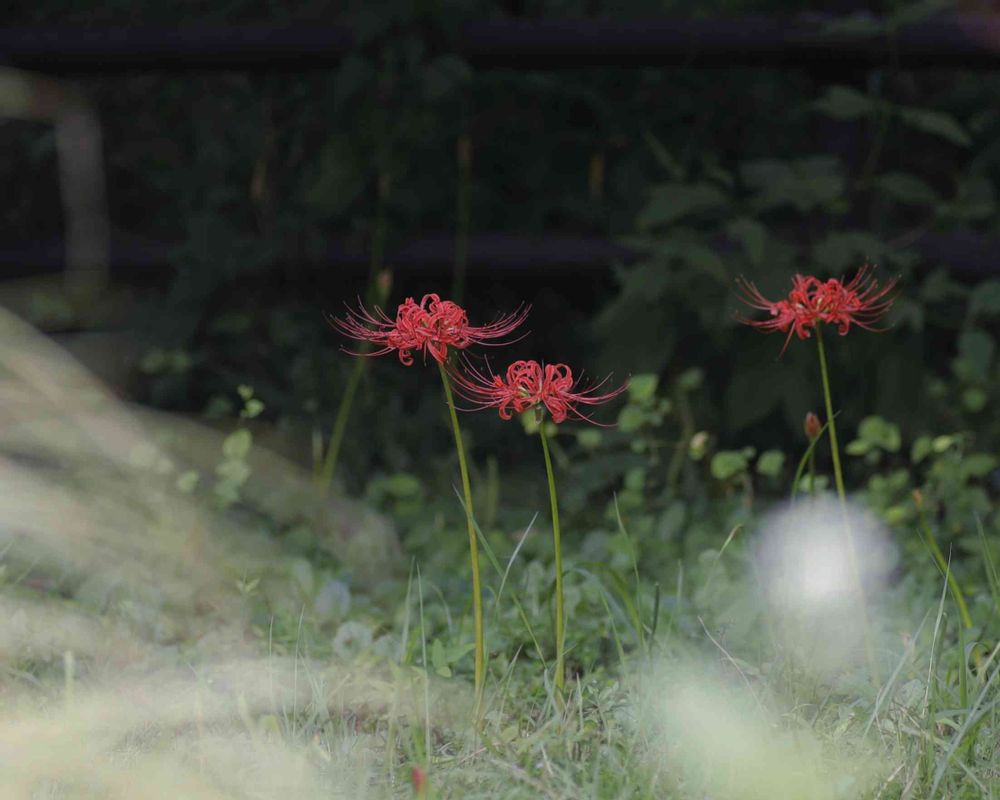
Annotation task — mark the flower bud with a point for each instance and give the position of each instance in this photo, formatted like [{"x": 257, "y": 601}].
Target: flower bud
[
  {"x": 383, "y": 284},
  {"x": 463, "y": 152},
  {"x": 918, "y": 499},
  {"x": 698, "y": 445},
  {"x": 384, "y": 185},
  {"x": 419, "y": 778},
  {"x": 812, "y": 426}
]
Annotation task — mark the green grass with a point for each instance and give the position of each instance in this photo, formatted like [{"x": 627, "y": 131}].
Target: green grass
[
  {"x": 163, "y": 641},
  {"x": 713, "y": 702}
]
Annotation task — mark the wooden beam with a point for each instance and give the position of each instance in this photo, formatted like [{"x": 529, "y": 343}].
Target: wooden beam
[{"x": 815, "y": 43}]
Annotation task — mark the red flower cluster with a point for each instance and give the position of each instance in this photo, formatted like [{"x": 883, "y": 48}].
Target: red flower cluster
[
  {"x": 430, "y": 326},
  {"x": 528, "y": 384},
  {"x": 860, "y": 301}
]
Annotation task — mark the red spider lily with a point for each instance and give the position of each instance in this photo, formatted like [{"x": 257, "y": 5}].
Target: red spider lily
[
  {"x": 528, "y": 384},
  {"x": 795, "y": 315},
  {"x": 431, "y": 326},
  {"x": 860, "y": 301}
]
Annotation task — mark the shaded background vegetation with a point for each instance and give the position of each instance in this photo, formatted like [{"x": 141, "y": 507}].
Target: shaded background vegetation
[{"x": 262, "y": 196}]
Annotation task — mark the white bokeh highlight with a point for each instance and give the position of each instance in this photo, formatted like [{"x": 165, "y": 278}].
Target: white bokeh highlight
[{"x": 804, "y": 566}]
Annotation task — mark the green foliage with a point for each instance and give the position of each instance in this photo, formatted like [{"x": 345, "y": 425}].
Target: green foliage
[
  {"x": 245, "y": 175},
  {"x": 727, "y": 464},
  {"x": 771, "y": 463},
  {"x": 740, "y": 172},
  {"x": 233, "y": 471},
  {"x": 875, "y": 435}
]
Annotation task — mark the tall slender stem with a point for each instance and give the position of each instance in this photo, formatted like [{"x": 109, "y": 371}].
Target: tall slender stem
[
  {"x": 557, "y": 544},
  {"x": 374, "y": 294},
  {"x": 944, "y": 565},
  {"x": 838, "y": 476},
  {"x": 340, "y": 426},
  {"x": 463, "y": 153},
  {"x": 477, "y": 593}
]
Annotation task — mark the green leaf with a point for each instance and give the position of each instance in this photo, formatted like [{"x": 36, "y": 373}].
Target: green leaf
[
  {"x": 703, "y": 258},
  {"x": 303, "y": 574},
  {"x": 642, "y": 387},
  {"x": 755, "y": 390},
  {"x": 858, "y": 23},
  {"x": 338, "y": 179},
  {"x": 985, "y": 299},
  {"x": 843, "y": 249},
  {"x": 353, "y": 75},
  {"x": 843, "y": 102},
  {"x": 974, "y": 399},
  {"x": 253, "y": 408},
  {"x": 402, "y": 485},
  {"x": 974, "y": 200},
  {"x": 858, "y": 447},
  {"x": 771, "y": 463},
  {"x": 919, "y": 11},
  {"x": 180, "y": 361},
  {"x": 237, "y": 444},
  {"x": 751, "y": 235},
  {"x": 878, "y": 432},
  {"x": 975, "y": 353},
  {"x": 232, "y": 323},
  {"x": 906, "y": 188},
  {"x": 218, "y": 407},
  {"x": 669, "y": 202},
  {"x": 937, "y": 123},
  {"x": 921, "y": 449},
  {"x": 977, "y": 465},
  {"x": 153, "y": 361},
  {"x": 444, "y": 74},
  {"x": 187, "y": 481},
  {"x": 942, "y": 443},
  {"x": 728, "y": 463},
  {"x": 804, "y": 183},
  {"x": 938, "y": 286},
  {"x": 635, "y": 479},
  {"x": 662, "y": 155},
  {"x": 439, "y": 659},
  {"x": 672, "y": 520},
  {"x": 691, "y": 379},
  {"x": 529, "y": 421},
  {"x": 233, "y": 473},
  {"x": 630, "y": 419}
]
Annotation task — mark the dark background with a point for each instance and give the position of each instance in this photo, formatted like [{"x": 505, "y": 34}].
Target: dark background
[{"x": 615, "y": 165}]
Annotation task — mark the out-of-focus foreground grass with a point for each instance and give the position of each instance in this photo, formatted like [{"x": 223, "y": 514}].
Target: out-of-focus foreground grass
[{"x": 153, "y": 644}]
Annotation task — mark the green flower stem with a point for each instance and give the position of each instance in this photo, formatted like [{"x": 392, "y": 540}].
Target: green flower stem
[
  {"x": 463, "y": 216},
  {"x": 376, "y": 293},
  {"x": 340, "y": 426},
  {"x": 477, "y": 593},
  {"x": 944, "y": 566},
  {"x": 838, "y": 475},
  {"x": 556, "y": 541}
]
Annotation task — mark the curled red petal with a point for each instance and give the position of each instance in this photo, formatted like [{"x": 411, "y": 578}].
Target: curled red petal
[
  {"x": 431, "y": 326},
  {"x": 860, "y": 301},
  {"x": 529, "y": 384}
]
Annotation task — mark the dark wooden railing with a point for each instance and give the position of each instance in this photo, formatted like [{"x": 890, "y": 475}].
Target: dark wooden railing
[
  {"x": 814, "y": 42},
  {"x": 822, "y": 45}
]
